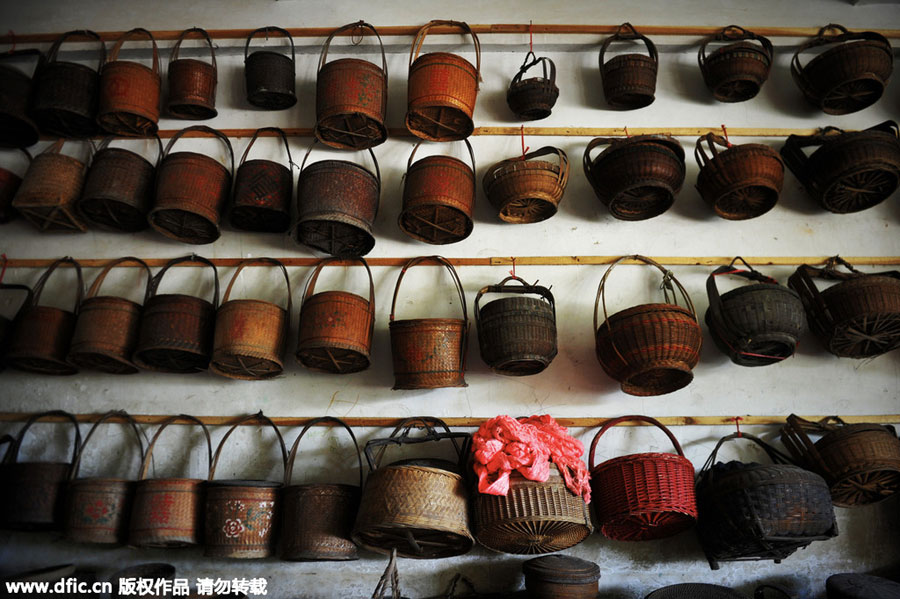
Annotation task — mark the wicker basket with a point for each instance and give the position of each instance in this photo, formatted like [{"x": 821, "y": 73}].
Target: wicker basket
[
  {"x": 263, "y": 190},
  {"x": 629, "y": 80},
  {"x": 129, "y": 92},
  {"x": 524, "y": 190},
  {"x": 192, "y": 83},
  {"x": 860, "y": 462},
  {"x": 17, "y": 130},
  {"x": 642, "y": 496},
  {"x": 270, "y": 76},
  {"x": 533, "y": 99},
  {"x": 651, "y": 348},
  {"x": 751, "y": 511},
  {"x": 736, "y": 72},
  {"x": 561, "y": 577},
  {"x": 50, "y": 189},
  {"x": 695, "y": 590}
]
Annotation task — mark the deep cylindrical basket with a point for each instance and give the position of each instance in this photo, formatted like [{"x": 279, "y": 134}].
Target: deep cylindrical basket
[
  {"x": 269, "y": 75},
  {"x": 629, "y": 80},
  {"x": 561, "y": 577},
  {"x": 524, "y": 190},
  {"x": 192, "y": 83},
  {"x": 736, "y": 71},
  {"x": 9, "y": 185},
  {"x": 263, "y": 190},
  {"x": 533, "y": 99},
  {"x": 50, "y": 190},
  {"x": 17, "y": 129},
  {"x": 129, "y": 92}
]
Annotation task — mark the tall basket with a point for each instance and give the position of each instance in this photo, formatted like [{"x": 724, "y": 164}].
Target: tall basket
[
  {"x": 269, "y": 75},
  {"x": 129, "y": 92},
  {"x": 736, "y": 71},
  {"x": 192, "y": 82},
  {"x": 263, "y": 190},
  {"x": 629, "y": 80}
]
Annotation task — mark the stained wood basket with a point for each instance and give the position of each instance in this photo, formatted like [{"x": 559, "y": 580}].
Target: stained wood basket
[
  {"x": 269, "y": 75},
  {"x": 192, "y": 82},
  {"x": 524, "y": 190},
  {"x": 50, "y": 190},
  {"x": 263, "y": 190},
  {"x": 629, "y": 80},
  {"x": 130, "y": 92},
  {"x": 736, "y": 71}
]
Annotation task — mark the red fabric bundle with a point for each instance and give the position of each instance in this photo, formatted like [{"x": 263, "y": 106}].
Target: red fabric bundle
[{"x": 504, "y": 444}]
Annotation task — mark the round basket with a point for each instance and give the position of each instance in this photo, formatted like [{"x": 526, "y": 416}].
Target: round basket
[
  {"x": 533, "y": 99},
  {"x": 263, "y": 191},
  {"x": 50, "y": 190},
  {"x": 736, "y": 71},
  {"x": 192, "y": 83},
  {"x": 270, "y": 76},
  {"x": 17, "y": 130},
  {"x": 524, "y": 190},
  {"x": 129, "y": 92},
  {"x": 629, "y": 80}
]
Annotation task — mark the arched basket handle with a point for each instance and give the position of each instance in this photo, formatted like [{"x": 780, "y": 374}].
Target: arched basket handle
[
  {"x": 289, "y": 469},
  {"x": 148, "y": 455},
  {"x": 633, "y": 418}
]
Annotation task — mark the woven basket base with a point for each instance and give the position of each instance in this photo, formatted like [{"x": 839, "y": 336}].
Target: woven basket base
[
  {"x": 113, "y": 214},
  {"x": 865, "y": 488},
  {"x": 746, "y": 202},
  {"x": 435, "y": 224},
  {"x": 184, "y": 226},
  {"x": 736, "y": 90},
  {"x": 522, "y": 367},
  {"x": 243, "y": 367},
  {"x": 127, "y": 124},
  {"x": 530, "y": 537},
  {"x": 261, "y": 220},
  {"x": 171, "y": 360},
  {"x": 646, "y": 527},
  {"x": 630, "y": 100},
  {"x": 852, "y": 96},
  {"x": 352, "y": 131},
  {"x": 860, "y": 190},
  {"x": 658, "y": 380},
  {"x": 866, "y": 336},
  {"x": 192, "y": 112},
  {"x": 527, "y": 210},
  {"x": 335, "y": 238},
  {"x": 103, "y": 362},
  {"x": 641, "y": 202},
  {"x": 51, "y": 218},
  {"x": 333, "y": 359},
  {"x": 421, "y": 543},
  {"x": 40, "y": 365},
  {"x": 439, "y": 123}
]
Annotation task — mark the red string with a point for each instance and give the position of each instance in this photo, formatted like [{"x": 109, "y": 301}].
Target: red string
[
  {"x": 524, "y": 149},
  {"x": 725, "y": 131},
  {"x": 728, "y": 272},
  {"x": 513, "y": 271},
  {"x": 737, "y": 424},
  {"x": 3, "y": 272},
  {"x": 530, "y": 37},
  {"x": 626, "y": 132},
  {"x": 751, "y": 354}
]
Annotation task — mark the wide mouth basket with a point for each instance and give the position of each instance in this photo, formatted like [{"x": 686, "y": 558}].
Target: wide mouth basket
[
  {"x": 192, "y": 82},
  {"x": 130, "y": 92},
  {"x": 629, "y": 80},
  {"x": 270, "y": 75},
  {"x": 191, "y": 192},
  {"x": 263, "y": 190},
  {"x": 49, "y": 191},
  {"x": 118, "y": 190},
  {"x": 524, "y": 190},
  {"x": 736, "y": 71}
]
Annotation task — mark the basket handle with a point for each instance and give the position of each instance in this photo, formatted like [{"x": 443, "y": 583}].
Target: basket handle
[
  {"x": 137, "y": 31},
  {"x": 54, "y": 49},
  {"x": 289, "y": 469},
  {"x": 524, "y": 288},
  {"x": 211, "y": 132},
  {"x": 261, "y": 419},
  {"x": 109, "y": 139},
  {"x": 586, "y": 160},
  {"x": 401, "y": 436},
  {"x": 712, "y": 140},
  {"x": 95, "y": 286},
  {"x": 202, "y": 33},
  {"x": 796, "y": 159},
  {"x": 148, "y": 455},
  {"x": 357, "y": 28},
  {"x": 622, "y": 35},
  {"x": 39, "y": 286},
  {"x": 73, "y": 473},
  {"x": 562, "y": 178},
  {"x": 371, "y": 153},
  {"x": 256, "y": 262},
  {"x": 416, "y": 147},
  {"x": 545, "y": 62},
  {"x": 276, "y": 130},
  {"x": 311, "y": 282},
  {"x": 56, "y": 148},
  {"x": 266, "y": 30},
  {"x": 12, "y": 454},
  {"x": 633, "y": 418},
  {"x": 16, "y": 287},
  {"x": 459, "y": 288},
  {"x": 155, "y": 281},
  {"x": 776, "y": 456},
  {"x": 794, "y": 436},
  {"x": 735, "y": 33},
  {"x": 462, "y": 26}
]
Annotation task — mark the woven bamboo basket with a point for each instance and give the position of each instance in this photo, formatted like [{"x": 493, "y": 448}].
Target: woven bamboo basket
[
  {"x": 857, "y": 318},
  {"x": 129, "y": 92},
  {"x": 849, "y": 75},
  {"x": 9, "y": 185},
  {"x": 269, "y": 75},
  {"x": 695, "y": 590},
  {"x": 636, "y": 177},
  {"x": 429, "y": 353},
  {"x": 642, "y": 496},
  {"x": 263, "y": 190},
  {"x": 860, "y": 462},
  {"x": 192, "y": 83},
  {"x": 629, "y": 80},
  {"x": 168, "y": 512},
  {"x": 751, "y": 511},
  {"x": 98, "y": 509},
  {"x": 17, "y": 129},
  {"x": 524, "y": 190},
  {"x": 336, "y": 327},
  {"x": 250, "y": 334},
  {"x": 33, "y": 496},
  {"x": 736, "y": 71},
  {"x": 754, "y": 325},
  {"x": 417, "y": 507},
  {"x": 317, "y": 518},
  {"x": 740, "y": 182},
  {"x": 561, "y": 577},
  {"x": 351, "y": 97},
  {"x": 442, "y": 88},
  {"x": 861, "y": 586},
  {"x": 50, "y": 189},
  {"x": 533, "y": 99},
  {"x": 106, "y": 332},
  {"x": 650, "y": 349}
]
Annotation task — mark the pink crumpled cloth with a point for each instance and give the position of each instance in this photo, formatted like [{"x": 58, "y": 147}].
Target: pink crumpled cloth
[{"x": 504, "y": 444}]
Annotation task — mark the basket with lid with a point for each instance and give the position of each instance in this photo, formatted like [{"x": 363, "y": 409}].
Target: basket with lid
[
  {"x": 17, "y": 129},
  {"x": 561, "y": 577},
  {"x": 629, "y": 80},
  {"x": 336, "y": 327},
  {"x": 417, "y": 507},
  {"x": 269, "y": 75},
  {"x": 533, "y": 99},
  {"x": 192, "y": 82},
  {"x": 9, "y": 185},
  {"x": 525, "y": 190},
  {"x": 736, "y": 71},
  {"x": 263, "y": 190},
  {"x": 129, "y": 91},
  {"x": 49, "y": 192}
]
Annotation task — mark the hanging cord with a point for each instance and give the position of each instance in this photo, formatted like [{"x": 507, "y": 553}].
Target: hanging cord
[
  {"x": 666, "y": 285},
  {"x": 737, "y": 425},
  {"x": 524, "y": 149},
  {"x": 512, "y": 272},
  {"x": 725, "y": 133},
  {"x": 626, "y": 132}
]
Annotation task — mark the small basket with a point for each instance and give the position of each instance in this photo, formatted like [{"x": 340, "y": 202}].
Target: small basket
[
  {"x": 533, "y": 99},
  {"x": 270, "y": 75},
  {"x": 50, "y": 190},
  {"x": 17, "y": 129},
  {"x": 263, "y": 190},
  {"x": 129, "y": 92},
  {"x": 561, "y": 577},
  {"x": 629, "y": 80},
  {"x": 849, "y": 75},
  {"x": 860, "y": 462},
  {"x": 650, "y": 349},
  {"x": 9, "y": 185},
  {"x": 857, "y": 318},
  {"x": 524, "y": 190},
  {"x": 192, "y": 83},
  {"x": 643, "y": 496},
  {"x": 736, "y": 71},
  {"x": 336, "y": 327},
  {"x": 740, "y": 182}
]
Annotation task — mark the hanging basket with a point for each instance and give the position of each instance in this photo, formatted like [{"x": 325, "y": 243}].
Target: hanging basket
[
  {"x": 561, "y": 577},
  {"x": 416, "y": 507},
  {"x": 629, "y": 80},
  {"x": 17, "y": 129},
  {"x": 270, "y": 75},
  {"x": 850, "y": 170},
  {"x": 754, "y": 325},
  {"x": 643, "y": 496},
  {"x": 336, "y": 327},
  {"x": 168, "y": 512},
  {"x": 736, "y": 71},
  {"x": 65, "y": 95},
  {"x": 351, "y": 97},
  {"x": 751, "y": 511},
  {"x": 263, "y": 190},
  {"x": 524, "y": 190},
  {"x": 857, "y": 318},
  {"x": 442, "y": 88},
  {"x": 129, "y": 92},
  {"x": 107, "y": 329},
  {"x": 9, "y": 185},
  {"x": 650, "y": 349},
  {"x": 533, "y": 99},
  {"x": 849, "y": 75},
  {"x": 740, "y": 182},
  {"x": 176, "y": 332},
  {"x": 317, "y": 518},
  {"x": 192, "y": 83},
  {"x": 636, "y": 177},
  {"x": 50, "y": 190},
  {"x": 860, "y": 462},
  {"x": 250, "y": 334}
]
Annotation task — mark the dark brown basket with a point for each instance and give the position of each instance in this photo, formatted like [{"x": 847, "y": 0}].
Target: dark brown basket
[
  {"x": 736, "y": 71},
  {"x": 317, "y": 518},
  {"x": 860, "y": 462},
  {"x": 561, "y": 577},
  {"x": 351, "y": 97},
  {"x": 263, "y": 190},
  {"x": 50, "y": 189},
  {"x": 629, "y": 80},
  {"x": 64, "y": 101},
  {"x": 517, "y": 335},
  {"x": 9, "y": 185},
  {"x": 651, "y": 348},
  {"x": 337, "y": 203},
  {"x": 33, "y": 496},
  {"x": 850, "y": 170},
  {"x": 6, "y": 324},
  {"x": 17, "y": 130},
  {"x": 177, "y": 330},
  {"x": 442, "y": 88},
  {"x": 40, "y": 336},
  {"x": 857, "y": 318},
  {"x": 524, "y": 190},
  {"x": 636, "y": 177},
  {"x": 533, "y": 99},
  {"x": 740, "y": 182},
  {"x": 751, "y": 511},
  {"x": 438, "y": 198},
  {"x": 129, "y": 92},
  {"x": 107, "y": 329},
  {"x": 192, "y": 191},
  {"x": 192, "y": 83},
  {"x": 754, "y": 325},
  {"x": 270, "y": 75},
  {"x": 849, "y": 75},
  {"x": 336, "y": 327},
  {"x": 429, "y": 353}
]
